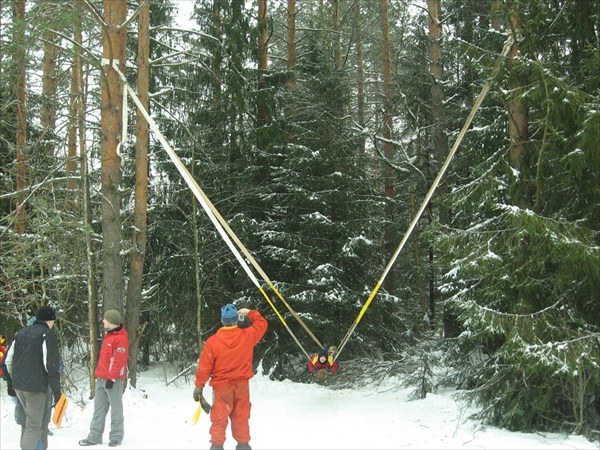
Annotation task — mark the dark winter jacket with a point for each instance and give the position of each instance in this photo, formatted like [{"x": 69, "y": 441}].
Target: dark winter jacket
[
  {"x": 227, "y": 354},
  {"x": 33, "y": 360},
  {"x": 112, "y": 362}
]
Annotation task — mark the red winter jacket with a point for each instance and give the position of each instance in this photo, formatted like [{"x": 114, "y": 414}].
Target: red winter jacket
[
  {"x": 112, "y": 362},
  {"x": 314, "y": 364},
  {"x": 227, "y": 354},
  {"x": 2, "y": 354}
]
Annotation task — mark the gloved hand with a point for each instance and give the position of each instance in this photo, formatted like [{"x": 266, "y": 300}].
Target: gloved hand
[
  {"x": 197, "y": 394},
  {"x": 109, "y": 384},
  {"x": 10, "y": 389},
  {"x": 57, "y": 395}
]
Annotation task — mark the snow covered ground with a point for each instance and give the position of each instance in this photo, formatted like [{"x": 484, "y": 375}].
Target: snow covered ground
[{"x": 288, "y": 415}]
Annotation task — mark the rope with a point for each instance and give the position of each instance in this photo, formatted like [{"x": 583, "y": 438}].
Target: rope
[
  {"x": 484, "y": 91},
  {"x": 202, "y": 198},
  {"x": 259, "y": 269}
]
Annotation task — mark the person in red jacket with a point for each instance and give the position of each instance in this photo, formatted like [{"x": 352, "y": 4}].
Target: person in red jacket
[
  {"x": 2, "y": 352},
  {"x": 110, "y": 379},
  {"x": 227, "y": 360},
  {"x": 321, "y": 364}
]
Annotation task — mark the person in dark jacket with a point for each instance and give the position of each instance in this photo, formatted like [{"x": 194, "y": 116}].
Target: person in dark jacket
[
  {"x": 33, "y": 364},
  {"x": 110, "y": 378},
  {"x": 227, "y": 360},
  {"x": 20, "y": 416}
]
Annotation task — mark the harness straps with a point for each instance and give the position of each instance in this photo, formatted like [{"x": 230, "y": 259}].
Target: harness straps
[{"x": 208, "y": 207}]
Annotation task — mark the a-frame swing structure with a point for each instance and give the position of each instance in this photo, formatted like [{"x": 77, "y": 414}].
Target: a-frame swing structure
[{"x": 230, "y": 237}]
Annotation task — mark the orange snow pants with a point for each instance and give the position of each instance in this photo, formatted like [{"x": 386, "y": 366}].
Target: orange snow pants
[{"x": 230, "y": 401}]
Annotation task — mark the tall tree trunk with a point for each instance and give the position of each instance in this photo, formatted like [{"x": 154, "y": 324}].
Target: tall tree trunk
[
  {"x": 47, "y": 107},
  {"x": 136, "y": 270},
  {"x": 217, "y": 59},
  {"x": 440, "y": 138},
  {"x": 518, "y": 115},
  {"x": 21, "y": 124},
  {"x": 197, "y": 274},
  {"x": 263, "y": 66},
  {"x": 291, "y": 66},
  {"x": 388, "y": 148},
  {"x": 424, "y": 313},
  {"x": 494, "y": 16},
  {"x": 113, "y": 50},
  {"x": 360, "y": 71},
  {"x": 92, "y": 299},
  {"x": 335, "y": 6},
  {"x": 74, "y": 99}
]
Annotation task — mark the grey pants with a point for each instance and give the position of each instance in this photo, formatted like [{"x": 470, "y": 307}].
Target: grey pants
[
  {"x": 33, "y": 404},
  {"x": 20, "y": 412},
  {"x": 103, "y": 400}
]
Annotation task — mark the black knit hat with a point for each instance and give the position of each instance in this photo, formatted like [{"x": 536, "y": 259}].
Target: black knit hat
[{"x": 46, "y": 313}]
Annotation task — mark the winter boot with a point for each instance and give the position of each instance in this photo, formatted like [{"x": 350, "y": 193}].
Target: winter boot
[
  {"x": 243, "y": 447},
  {"x": 216, "y": 447}
]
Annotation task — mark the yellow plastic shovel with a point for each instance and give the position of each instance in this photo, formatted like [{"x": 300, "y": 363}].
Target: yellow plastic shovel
[{"x": 196, "y": 415}]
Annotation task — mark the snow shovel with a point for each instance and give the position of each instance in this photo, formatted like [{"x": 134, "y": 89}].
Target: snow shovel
[
  {"x": 59, "y": 410},
  {"x": 204, "y": 405},
  {"x": 196, "y": 415}
]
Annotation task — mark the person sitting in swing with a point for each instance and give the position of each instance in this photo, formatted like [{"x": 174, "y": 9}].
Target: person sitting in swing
[{"x": 321, "y": 364}]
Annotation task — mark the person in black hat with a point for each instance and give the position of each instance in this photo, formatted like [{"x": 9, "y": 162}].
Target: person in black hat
[
  {"x": 33, "y": 363},
  {"x": 322, "y": 363},
  {"x": 20, "y": 416}
]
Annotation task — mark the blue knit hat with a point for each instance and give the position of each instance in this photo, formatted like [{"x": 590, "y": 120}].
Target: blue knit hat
[
  {"x": 323, "y": 352},
  {"x": 229, "y": 315}
]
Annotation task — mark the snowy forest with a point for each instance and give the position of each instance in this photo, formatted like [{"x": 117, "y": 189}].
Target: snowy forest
[{"x": 416, "y": 182}]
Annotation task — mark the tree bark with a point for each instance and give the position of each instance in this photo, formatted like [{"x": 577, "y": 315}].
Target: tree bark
[
  {"x": 21, "y": 124},
  {"x": 335, "y": 6},
  {"x": 291, "y": 65},
  {"x": 417, "y": 251},
  {"x": 388, "y": 147},
  {"x": 48, "y": 100},
  {"x": 92, "y": 299},
  {"x": 113, "y": 50},
  {"x": 440, "y": 138},
  {"x": 138, "y": 255},
  {"x": 217, "y": 59},
  {"x": 360, "y": 72},
  {"x": 263, "y": 67},
  {"x": 518, "y": 115},
  {"x": 74, "y": 99}
]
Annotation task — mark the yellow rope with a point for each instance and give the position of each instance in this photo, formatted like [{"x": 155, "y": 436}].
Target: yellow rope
[{"x": 484, "y": 90}]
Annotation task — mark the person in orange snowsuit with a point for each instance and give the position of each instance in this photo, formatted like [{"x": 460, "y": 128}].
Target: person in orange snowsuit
[{"x": 227, "y": 360}]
